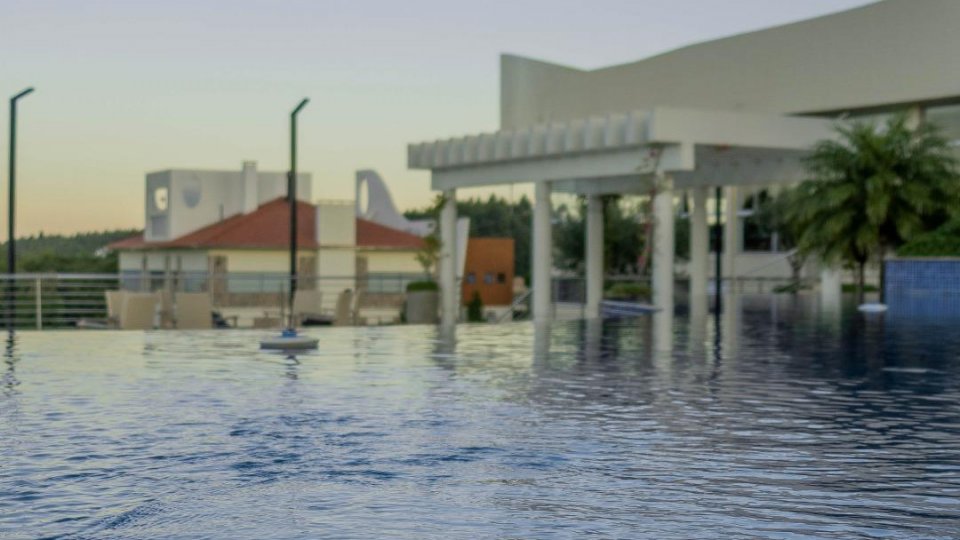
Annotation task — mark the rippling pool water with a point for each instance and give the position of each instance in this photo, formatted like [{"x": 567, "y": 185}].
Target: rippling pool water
[{"x": 776, "y": 423}]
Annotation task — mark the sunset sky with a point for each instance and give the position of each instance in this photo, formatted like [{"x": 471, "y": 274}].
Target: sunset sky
[{"x": 124, "y": 87}]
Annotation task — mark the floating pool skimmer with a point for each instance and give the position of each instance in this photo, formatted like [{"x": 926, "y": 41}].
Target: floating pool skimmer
[
  {"x": 289, "y": 340},
  {"x": 872, "y": 307}
]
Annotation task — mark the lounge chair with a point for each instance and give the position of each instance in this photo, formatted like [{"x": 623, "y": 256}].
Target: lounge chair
[
  {"x": 114, "y": 305},
  {"x": 138, "y": 311},
  {"x": 355, "y": 309},
  {"x": 307, "y": 308},
  {"x": 343, "y": 315},
  {"x": 193, "y": 311}
]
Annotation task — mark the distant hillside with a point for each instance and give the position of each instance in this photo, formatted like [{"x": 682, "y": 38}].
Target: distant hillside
[{"x": 65, "y": 253}]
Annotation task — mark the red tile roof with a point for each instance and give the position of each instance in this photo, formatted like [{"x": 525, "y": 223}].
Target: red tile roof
[
  {"x": 268, "y": 228},
  {"x": 371, "y": 234}
]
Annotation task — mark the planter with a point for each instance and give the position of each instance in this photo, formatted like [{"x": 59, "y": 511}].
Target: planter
[{"x": 422, "y": 307}]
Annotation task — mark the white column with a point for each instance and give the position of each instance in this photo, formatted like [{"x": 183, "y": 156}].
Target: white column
[
  {"x": 448, "y": 259},
  {"x": 699, "y": 246},
  {"x": 663, "y": 246},
  {"x": 731, "y": 235},
  {"x": 593, "y": 253},
  {"x": 830, "y": 287},
  {"x": 542, "y": 252}
]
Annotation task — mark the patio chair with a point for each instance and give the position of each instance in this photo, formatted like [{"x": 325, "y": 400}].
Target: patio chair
[
  {"x": 193, "y": 311},
  {"x": 306, "y": 304},
  {"x": 355, "y": 309},
  {"x": 343, "y": 315},
  {"x": 114, "y": 305},
  {"x": 138, "y": 311}
]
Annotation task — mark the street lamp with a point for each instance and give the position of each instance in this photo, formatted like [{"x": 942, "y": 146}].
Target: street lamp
[
  {"x": 292, "y": 199},
  {"x": 11, "y": 199}
]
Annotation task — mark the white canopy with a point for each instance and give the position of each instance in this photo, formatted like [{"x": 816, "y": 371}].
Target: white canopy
[{"x": 619, "y": 152}]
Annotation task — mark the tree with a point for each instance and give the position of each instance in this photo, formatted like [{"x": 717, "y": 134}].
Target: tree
[
  {"x": 495, "y": 216},
  {"x": 429, "y": 254},
  {"x": 623, "y": 236},
  {"x": 870, "y": 190},
  {"x": 771, "y": 216}
]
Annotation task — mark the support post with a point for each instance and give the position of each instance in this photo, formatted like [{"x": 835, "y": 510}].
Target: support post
[
  {"x": 593, "y": 255},
  {"x": 663, "y": 246},
  {"x": 731, "y": 235},
  {"x": 542, "y": 252},
  {"x": 699, "y": 246},
  {"x": 449, "y": 292}
]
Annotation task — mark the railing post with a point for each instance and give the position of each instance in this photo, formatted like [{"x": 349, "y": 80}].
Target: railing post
[{"x": 38, "y": 296}]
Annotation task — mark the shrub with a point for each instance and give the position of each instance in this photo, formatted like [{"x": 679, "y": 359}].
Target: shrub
[
  {"x": 475, "y": 308},
  {"x": 852, "y": 287},
  {"x": 942, "y": 242},
  {"x": 793, "y": 287},
  {"x": 628, "y": 291},
  {"x": 417, "y": 286}
]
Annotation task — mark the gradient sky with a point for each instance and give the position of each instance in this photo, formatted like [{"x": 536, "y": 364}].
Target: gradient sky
[{"x": 124, "y": 87}]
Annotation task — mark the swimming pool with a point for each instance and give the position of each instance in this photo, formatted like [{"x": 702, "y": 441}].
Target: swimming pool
[{"x": 776, "y": 423}]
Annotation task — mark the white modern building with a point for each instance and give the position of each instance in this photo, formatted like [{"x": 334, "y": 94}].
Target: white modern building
[{"x": 737, "y": 113}]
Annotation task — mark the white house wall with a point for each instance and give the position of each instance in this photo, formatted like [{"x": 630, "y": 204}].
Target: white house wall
[
  {"x": 255, "y": 260},
  {"x": 399, "y": 262}
]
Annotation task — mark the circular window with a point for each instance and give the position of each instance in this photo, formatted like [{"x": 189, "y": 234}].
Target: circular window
[
  {"x": 191, "y": 191},
  {"x": 160, "y": 199}
]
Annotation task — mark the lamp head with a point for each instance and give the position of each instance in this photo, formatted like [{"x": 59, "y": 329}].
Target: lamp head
[{"x": 22, "y": 94}]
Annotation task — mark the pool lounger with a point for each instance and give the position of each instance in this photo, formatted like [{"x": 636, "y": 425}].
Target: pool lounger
[{"x": 615, "y": 308}]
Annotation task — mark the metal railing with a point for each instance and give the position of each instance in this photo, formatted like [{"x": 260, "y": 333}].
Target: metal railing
[
  {"x": 50, "y": 300},
  {"x": 53, "y": 300}
]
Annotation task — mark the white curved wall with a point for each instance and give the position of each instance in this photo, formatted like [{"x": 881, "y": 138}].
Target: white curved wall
[{"x": 891, "y": 52}]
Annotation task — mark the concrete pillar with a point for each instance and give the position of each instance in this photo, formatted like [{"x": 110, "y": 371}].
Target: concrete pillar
[
  {"x": 593, "y": 254},
  {"x": 830, "y": 287},
  {"x": 662, "y": 331},
  {"x": 916, "y": 115},
  {"x": 731, "y": 235},
  {"x": 542, "y": 252},
  {"x": 449, "y": 291},
  {"x": 663, "y": 247},
  {"x": 699, "y": 246}
]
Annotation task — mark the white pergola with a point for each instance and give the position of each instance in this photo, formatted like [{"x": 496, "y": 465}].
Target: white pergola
[{"x": 660, "y": 151}]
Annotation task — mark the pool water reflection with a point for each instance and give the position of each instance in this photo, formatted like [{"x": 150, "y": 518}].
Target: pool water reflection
[{"x": 774, "y": 420}]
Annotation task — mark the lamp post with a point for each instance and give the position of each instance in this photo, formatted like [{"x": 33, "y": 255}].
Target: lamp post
[
  {"x": 11, "y": 206},
  {"x": 292, "y": 199},
  {"x": 718, "y": 239}
]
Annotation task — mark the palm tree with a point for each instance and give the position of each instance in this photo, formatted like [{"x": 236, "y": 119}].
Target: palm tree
[{"x": 871, "y": 189}]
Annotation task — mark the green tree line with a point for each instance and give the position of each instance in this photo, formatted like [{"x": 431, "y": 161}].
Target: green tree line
[
  {"x": 78, "y": 253},
  {"x": 626, "y": 230}
]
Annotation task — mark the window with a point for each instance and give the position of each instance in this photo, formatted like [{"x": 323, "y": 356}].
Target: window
[
  {"x": 161, "y": 199},
  {"x": 471, "y": 278},
  {"x": 501, "y": 278},
  {"x": 947, "y": 118},
  {"x": 488, "y": 278}
]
